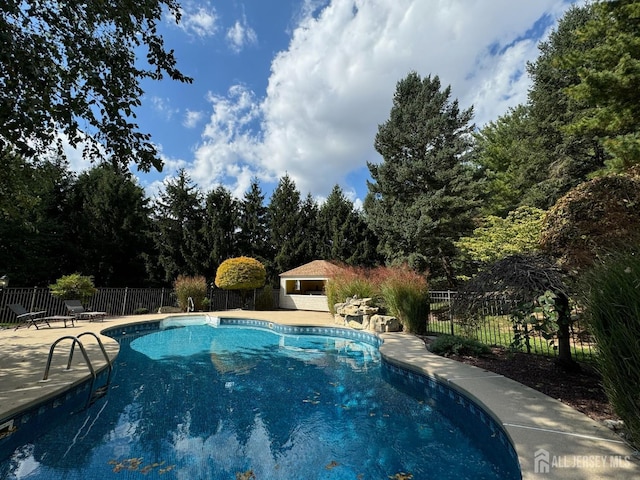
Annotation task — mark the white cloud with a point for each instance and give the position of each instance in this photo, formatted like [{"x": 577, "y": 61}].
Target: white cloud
[
  {"x": 241, "y": 35},
  {"x": 334, "y": 85},
  {"x": 163, "y": 107},
  {"x": 229, "y": 150},
  {"x": 198, "y": 20},
  {"x": 192, "y": 118}
]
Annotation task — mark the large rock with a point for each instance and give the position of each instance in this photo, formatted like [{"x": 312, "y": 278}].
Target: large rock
[{"x": 385, "y": 323}]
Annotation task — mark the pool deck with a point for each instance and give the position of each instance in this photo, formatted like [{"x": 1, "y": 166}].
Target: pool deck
[{"x": 560, "y": 441}]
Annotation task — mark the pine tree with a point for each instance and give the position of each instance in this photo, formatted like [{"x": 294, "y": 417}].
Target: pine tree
[
  {"x": 344, "y": 234},
  {"x": 283, "y": 215},
  {"x": 220, "y": 228},
  {"x": 111, "y": 227},
  {"x": 178, "y": 229},
  {"x": 422, "y": 196},
  {"x": 253, "y": 235}
]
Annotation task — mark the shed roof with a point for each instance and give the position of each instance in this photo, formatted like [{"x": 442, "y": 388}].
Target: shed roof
[{"x": 316, "y": 268}]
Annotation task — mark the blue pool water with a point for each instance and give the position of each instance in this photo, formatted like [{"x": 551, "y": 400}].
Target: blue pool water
[{"x": 230, "y": 402}]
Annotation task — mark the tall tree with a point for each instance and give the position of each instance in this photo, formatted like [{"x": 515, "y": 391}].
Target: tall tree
[
  {"x": 109, "y": 221},
  {"x": 308, "y": 231},
  {"x": 220, "y": 229},
  {"x": 344, "y": 234},
  {"x": 509, "y": 152},
  {"x": 178, "y": 218},
  {"x": 253, "y": 235},
  {"x": 283, "y": 215},
  {"x": 606, "y": 58},
  {"x": 74, "y": 68},
  {"x": 566, "y": 157},
  {"x": 36, "y": 247},
  {"x": 422, "y": 196}
]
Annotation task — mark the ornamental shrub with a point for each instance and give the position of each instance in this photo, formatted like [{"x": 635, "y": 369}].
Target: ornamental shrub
[
  {"x": 194, "y": 287},
  {"x": 594, "y": 218},
  {"x": 240, "y": 273},
  {"x": 349, "y": 282},
  {"x": 405, "y": 295},
  {"x": 447, "y": 345},
  {"x": 74, "y": 287},
  {"x": 398, "y": 291},
  {"x": 612, "y": 298}
]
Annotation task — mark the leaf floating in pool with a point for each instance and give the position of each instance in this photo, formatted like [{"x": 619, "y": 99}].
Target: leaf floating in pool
[
  {"x": 333, "y": 464},
  {"x": 248, "y": 475},
  {"x": 401, "y": 476},
  {"x": 128, "y": 464},
  {"x": 162, "y": 471}
]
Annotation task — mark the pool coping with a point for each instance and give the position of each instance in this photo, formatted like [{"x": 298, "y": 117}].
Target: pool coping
[{"x": 551, "y": 439}]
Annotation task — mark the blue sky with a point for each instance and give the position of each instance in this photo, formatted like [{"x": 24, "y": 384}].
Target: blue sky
[{"x": 300, "y": 86}]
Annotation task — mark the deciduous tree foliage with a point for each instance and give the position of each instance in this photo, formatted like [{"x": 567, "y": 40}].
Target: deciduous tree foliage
[
  {"x": 422, "y": 196},
  {"x": 522, "y": 278},
  {"x": 592, "y": 220},
  {"x": 72, "y": 68},
  {"x": 499, "y": 237}
]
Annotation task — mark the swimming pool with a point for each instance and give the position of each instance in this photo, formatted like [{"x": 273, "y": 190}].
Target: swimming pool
[{"x": 238, "y": 401}]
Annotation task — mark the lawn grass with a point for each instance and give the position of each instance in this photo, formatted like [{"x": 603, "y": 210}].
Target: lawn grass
[{"x": 497, "y": 330}]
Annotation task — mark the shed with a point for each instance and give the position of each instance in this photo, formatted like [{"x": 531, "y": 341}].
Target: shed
[{"x": 302, "y": 288}]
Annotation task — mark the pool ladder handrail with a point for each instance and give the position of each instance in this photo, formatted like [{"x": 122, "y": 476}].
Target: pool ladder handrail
[
  {"x": 76, "y": 340},
  {"x": 190, "y": 305}
]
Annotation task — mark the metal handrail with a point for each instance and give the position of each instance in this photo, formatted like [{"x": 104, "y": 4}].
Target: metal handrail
[
  {"x": 104, "y": 353},
  {"x": 74, "y": 341}
]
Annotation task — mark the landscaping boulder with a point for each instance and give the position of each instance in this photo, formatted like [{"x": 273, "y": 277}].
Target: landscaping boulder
[{"x": 385, "y": 323}]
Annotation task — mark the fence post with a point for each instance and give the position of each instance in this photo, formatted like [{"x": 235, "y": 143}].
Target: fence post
[
  {"x": 162, "y": 297},
  {"x": 124, "y": 302},
  {"x": 33, "y": 299},
  {"x": 450, "y": 312}
]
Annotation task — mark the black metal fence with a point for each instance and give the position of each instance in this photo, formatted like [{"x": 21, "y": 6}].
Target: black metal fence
[
  {"x": 494, "y": 326},
  {"x": 120, "y": 301}
]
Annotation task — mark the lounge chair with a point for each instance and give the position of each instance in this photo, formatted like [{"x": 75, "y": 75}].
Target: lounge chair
[
  {"x": 76, "y": 309},
  {"x": 36, "y": 318}
]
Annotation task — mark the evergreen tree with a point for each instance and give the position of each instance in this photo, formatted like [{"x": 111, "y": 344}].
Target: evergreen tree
[
  {"x": 509, "y": 152},
  {"x": 422, "y": 197},
  {"x": 606, "y": 57},
  {"x": 564, "y": 158},
  {"x": 178, "y": 218},
  {"x": 220, "y": 229},
  {"x": 308, "y": 231},
  {"x": 110, "y": 226},
  {"x": 283, "y": 215},
  {"x": 253, "y": 235},
  {"x": 344, "y": 234},
  {"x": 36, "y": 246}
]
